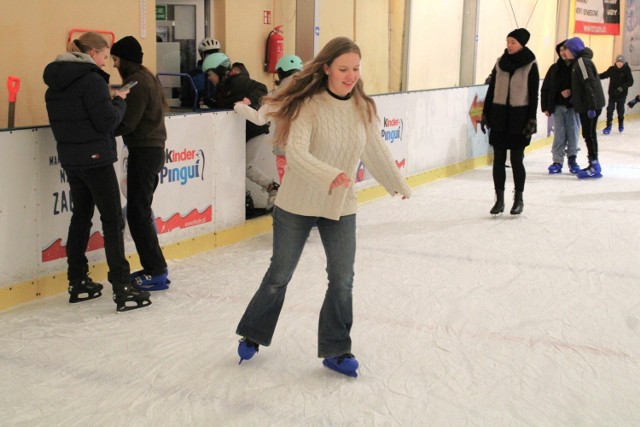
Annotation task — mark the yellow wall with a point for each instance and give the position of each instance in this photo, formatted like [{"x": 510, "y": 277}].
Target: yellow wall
[
  {"x": 435, "y": 44},
  {"x": 372, "y": 36},
  {"x": 34, "y": 32},
  {"x": 31, "y": 40},
  {"x": 243, "y": 34}
]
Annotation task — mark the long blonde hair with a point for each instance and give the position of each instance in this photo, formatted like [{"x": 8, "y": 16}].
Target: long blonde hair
[
  {"x": 311, "y": 81},
  {"x": 86, "y": 42}
]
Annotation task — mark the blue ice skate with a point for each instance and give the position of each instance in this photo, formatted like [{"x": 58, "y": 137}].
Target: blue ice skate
[
  {"x": 574, "y": 168},
  {"x": 607, "y": 130},
  {"x": 593, "y": 171},
  {"x": 620, "y": 129},
  {"x": 555, "y": 168},
  {"x": 573, "y": 165},
  {"x": 147, "y": 282},
  {"x": 247, "y": 349},
  {"x": 345, "y": 364}
]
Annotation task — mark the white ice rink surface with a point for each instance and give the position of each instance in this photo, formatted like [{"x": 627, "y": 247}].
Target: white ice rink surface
[{"x": 461, "y": 319}]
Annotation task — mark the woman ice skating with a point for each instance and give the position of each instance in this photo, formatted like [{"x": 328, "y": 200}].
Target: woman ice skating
[
  {"x": 328, "y": 123},
  {"x": 510, "y": 112}
]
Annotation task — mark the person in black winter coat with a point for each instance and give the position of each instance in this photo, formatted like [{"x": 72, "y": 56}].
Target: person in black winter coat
[
  {"x": 587, "y": 97},
  {"x": 555, "y": 99},
  {"x": 510, "y": 113},
  {"x": 239, "y": 85},
  {"x": 83, "y": 117},
  {"x": 620, "y": 81}
]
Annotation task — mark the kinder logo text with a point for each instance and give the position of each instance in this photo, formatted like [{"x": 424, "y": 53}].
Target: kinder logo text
[
  {"x": 183, "y": 166},
  {"x": 392, "y": 129}
]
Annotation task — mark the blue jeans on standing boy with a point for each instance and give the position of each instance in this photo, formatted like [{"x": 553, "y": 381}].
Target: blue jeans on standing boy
[
  {"x": 290, "y": 233},
  {"x": 566, "y": 133}
]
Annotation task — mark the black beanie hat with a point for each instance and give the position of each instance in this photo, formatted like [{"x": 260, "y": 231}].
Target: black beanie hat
[
  {"x": 520, "y": 34},
  {"x": 128, "y": 48}
]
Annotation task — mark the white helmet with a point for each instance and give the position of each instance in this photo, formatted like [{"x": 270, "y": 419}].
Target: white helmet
[{"x": 208, "y": 44}]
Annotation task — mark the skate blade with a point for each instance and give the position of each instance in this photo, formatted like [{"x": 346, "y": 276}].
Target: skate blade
[
  {"x": 138, "y": 304},
  {"x": 154, "y": 287},
  {"x": 77, "y": 298},
  {"x": 353, "y": 374}
]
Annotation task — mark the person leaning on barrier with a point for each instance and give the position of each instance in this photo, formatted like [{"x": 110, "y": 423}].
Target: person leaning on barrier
[{"x": 83, "y": 117}]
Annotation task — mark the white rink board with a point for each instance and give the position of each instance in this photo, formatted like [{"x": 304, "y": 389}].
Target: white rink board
[{"x": 425, "y": 130}]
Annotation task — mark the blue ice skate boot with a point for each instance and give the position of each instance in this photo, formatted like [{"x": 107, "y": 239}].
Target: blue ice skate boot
[
  {"x": 620, "y": 129},
  {"x": 247, "y": 349},
  {"x": 84, "y": 290},
  {"x": 147, "y": 282},
  {"x": 555, "y": 168},
  {"x": 593, "y": 171},
  {"x": 345, "y": 364},
  {"x": 573, "y": 165},
  {"x": 607, "y": 130}
]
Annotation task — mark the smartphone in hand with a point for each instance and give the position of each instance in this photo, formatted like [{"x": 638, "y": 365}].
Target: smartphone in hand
[{"x": 128, "y": 86}]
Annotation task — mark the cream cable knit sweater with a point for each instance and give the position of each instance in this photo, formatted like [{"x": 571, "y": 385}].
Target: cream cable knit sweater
[{"x": 329, "y": 137}]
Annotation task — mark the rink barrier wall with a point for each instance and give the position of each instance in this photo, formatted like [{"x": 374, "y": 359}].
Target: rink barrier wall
[{"x": 431, "y": 134}]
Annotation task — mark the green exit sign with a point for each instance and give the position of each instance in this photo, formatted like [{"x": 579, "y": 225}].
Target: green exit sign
[{"x": 161, "y": 12}]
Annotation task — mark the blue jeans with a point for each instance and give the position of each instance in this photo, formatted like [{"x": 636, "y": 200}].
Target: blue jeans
[
  {"x": 566, "y": 133},
  {"x": 290, "y": 233},
  {"x": 91, "y": 188}
]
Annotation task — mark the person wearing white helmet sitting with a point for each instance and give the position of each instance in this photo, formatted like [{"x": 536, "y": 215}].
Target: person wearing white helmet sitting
[{"x": 206, "y": 47}]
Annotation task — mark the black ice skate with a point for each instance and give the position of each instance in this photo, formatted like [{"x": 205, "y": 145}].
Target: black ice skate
[
  {"x": 84, "y": 290},
  {"x": 127, "y": 297},
  {"x": 498, "y": 207}
]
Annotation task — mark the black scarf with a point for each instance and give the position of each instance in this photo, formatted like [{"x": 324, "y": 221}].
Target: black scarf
[{"x": 510, "y": 63}]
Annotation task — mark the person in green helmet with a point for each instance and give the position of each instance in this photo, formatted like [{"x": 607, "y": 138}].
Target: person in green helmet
[{"x": 286, "y": 67}]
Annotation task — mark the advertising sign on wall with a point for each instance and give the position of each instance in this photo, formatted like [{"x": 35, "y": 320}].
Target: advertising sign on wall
[{"x": 600, "y": 17}]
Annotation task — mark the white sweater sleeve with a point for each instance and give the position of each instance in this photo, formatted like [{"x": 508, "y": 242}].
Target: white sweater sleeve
[
  {"x": 378, "y": 160},
  {"x": 258, "y": 117}
]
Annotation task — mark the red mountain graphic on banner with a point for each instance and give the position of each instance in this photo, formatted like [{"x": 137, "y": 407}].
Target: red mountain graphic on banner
[
  {"x": 57, "y": 250},
  {"x": 178, "y": 221}
]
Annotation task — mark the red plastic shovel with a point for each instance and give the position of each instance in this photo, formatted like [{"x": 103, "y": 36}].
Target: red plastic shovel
[{"x": 13, "y": 84}]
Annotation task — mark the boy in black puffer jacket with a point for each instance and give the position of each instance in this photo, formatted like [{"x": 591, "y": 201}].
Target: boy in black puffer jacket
[{"x": 620, "y": 81}]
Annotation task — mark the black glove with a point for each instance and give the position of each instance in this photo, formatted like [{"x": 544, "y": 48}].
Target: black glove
[
  {"x": 633, "y": 102},
  {"x": 209, "y": 102},
  {"x": 530, "y": 128},
  {"x": 483, "y": 124}
]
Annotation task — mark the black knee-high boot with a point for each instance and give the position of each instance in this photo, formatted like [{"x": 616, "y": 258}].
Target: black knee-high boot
[
  {"x": 498, "y": 207},
  {"x": 518, "y": 203}
]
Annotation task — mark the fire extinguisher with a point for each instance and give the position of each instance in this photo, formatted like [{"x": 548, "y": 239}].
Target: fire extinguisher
[{"x": 274, "y": 49}]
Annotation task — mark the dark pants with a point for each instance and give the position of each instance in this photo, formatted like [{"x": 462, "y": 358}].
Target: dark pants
[
  {"x": 290, "y": 233},
  {"x": 501, "y": 142},
  {"x": 618, "y": 105},
  {"x": 143, "y": 166},
  {"x": 90, "y": 188},
  {"x": 589, "y": 134}
]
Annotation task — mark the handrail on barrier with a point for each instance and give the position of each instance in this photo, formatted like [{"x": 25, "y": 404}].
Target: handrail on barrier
[
  {"x": 193, "y": 85},
  {"x": 82, "y": 30}
]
